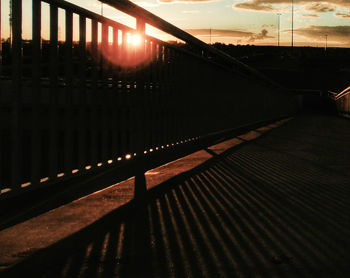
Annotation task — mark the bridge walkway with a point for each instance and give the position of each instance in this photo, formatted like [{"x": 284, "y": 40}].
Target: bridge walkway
[{"x": 275, "y": 205}]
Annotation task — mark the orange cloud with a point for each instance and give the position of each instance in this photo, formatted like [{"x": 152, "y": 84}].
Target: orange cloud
[
  {"x": 342, "y": 15},
  {"x": 246, "y": 35},
  {"x": 269, "y": 5},
  {"x": 340, "y": 34}
]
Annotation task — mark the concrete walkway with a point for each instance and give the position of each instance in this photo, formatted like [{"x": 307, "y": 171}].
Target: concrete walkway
[{"x": 270, "y": 203}]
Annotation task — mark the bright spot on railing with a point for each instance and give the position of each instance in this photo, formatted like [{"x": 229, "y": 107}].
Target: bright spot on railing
[
  {"x": 60, "y": 175},
  {"x": 145, "y": 152},
  {"x": 110, "y": 161},
  {"x": 119, "y": 158},
  {"x": 99, "y": 164},
  {"x": 44, "y": 179},
  {"x": 25, "y": 184},
  {"x": 128, "y": 156},
  {"x": 151, "y": 150},
  {"x": 157, "y": 148},
  {"x": 88, "y": 167},
  {"x": 134, "y": 154},
  {"x": 5, "y": 190},
  {"x": 75, "y": 171}
]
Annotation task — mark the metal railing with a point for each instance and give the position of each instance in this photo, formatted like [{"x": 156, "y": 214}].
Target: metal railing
[
  {"x": 69, "y": 107},
  {"x": 342, "y": 101}
]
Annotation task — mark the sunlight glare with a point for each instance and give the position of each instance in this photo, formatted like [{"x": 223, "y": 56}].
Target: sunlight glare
[{"x": 136, "y": 40}]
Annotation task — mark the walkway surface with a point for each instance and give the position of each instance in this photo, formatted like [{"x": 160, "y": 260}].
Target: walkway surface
[{"x": 276, "y": 205}]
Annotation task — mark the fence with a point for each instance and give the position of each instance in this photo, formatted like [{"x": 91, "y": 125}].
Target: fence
[{"x": 69, "y": 107}]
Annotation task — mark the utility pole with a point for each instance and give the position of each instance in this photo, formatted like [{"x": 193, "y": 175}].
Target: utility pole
[
  {"x": 210, "y": 36},
  {"x": 278, "y": 28},
  {"x": 292, "y": 23},
  {"x": 10, "y": 21}
]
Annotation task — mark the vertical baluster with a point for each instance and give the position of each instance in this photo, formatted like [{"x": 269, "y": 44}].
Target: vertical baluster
[
  {"x": 124, "y": 98},
  {"x": 153, "y": 106},
  {"x": 68, "y": 138},
  {"x": 104, "y": 94},
  {"x": 115, "y": 108},
  {"x": 159, "y": 115},
  {"x": 53, "y": 149},
  {"x": 166, "y": 95},
  {"x": 94, "y": 88},
  {"x": 82, "y": 122},
  {"x": 36, "y": 88},
  {"x": 16, "y": 131},
  {"x": 141, "y": 52},
  {"x": 147, "y": 94}
]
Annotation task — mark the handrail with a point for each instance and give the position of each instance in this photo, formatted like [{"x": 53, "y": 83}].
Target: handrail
[
  {"x": 341, "y": 94},
  {"x": 147, "y": 17}
]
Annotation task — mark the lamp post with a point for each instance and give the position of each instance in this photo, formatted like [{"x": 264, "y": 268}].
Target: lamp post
[{"x": 279, "y": 15}]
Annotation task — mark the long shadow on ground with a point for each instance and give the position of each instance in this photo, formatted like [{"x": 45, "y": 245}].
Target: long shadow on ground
[{"x": 250, "y": 212}]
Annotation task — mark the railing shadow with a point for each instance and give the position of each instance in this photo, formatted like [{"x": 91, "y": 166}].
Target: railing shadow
[{"x": 216, "y": 220}]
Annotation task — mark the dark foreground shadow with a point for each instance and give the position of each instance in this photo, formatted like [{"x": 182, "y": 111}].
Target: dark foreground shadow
[{"x": 240, "y": 214}]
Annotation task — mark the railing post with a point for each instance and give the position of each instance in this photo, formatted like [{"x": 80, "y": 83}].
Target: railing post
[
  {"x": 16, "y": 132},
  {"x": 94, "y": 103},
  {"x": 36, "y": 89},
  {"x": 82, "y": 113},
  {"x": 140, "y": 26},
  {"x": 68, "y": 115},
  {"x": 53, "y": 133}
]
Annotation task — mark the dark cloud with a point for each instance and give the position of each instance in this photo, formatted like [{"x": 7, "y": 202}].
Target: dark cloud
[
  {"x": 310, "y": 15},
  {"x": 267, "y": 25},
  {"x": 252, "y": 5},
  {"x": 262, "y": 35},
  {"x": 246, "y": 35},
  {"x": 340, "y": 34},
  {"x": 342, "y": 15},
  {"x": 320, "y": 7}
]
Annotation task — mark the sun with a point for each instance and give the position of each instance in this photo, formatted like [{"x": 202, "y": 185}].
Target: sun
[{"x": 136, "y": 40}]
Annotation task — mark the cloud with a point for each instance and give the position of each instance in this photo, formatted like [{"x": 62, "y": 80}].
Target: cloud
[
  {"x": 320, "y": 7},
  {"x": 185, "y": 1},
  {"x": 219, "y": 33},
  {"x": 310, "y": 15},
  {"x": 254, "y": 5},
  {"x": 243, "y": 35},
  {"x": 340, "y": 34},
  {"x": 262, "y": 35},
  {"x": 267, "y": 25},
  {"x": 270, "y": 5},
  {"x": 342, "y": 15}
]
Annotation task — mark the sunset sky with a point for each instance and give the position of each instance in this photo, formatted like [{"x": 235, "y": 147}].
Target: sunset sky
[{"x": 245, "y": 21}]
